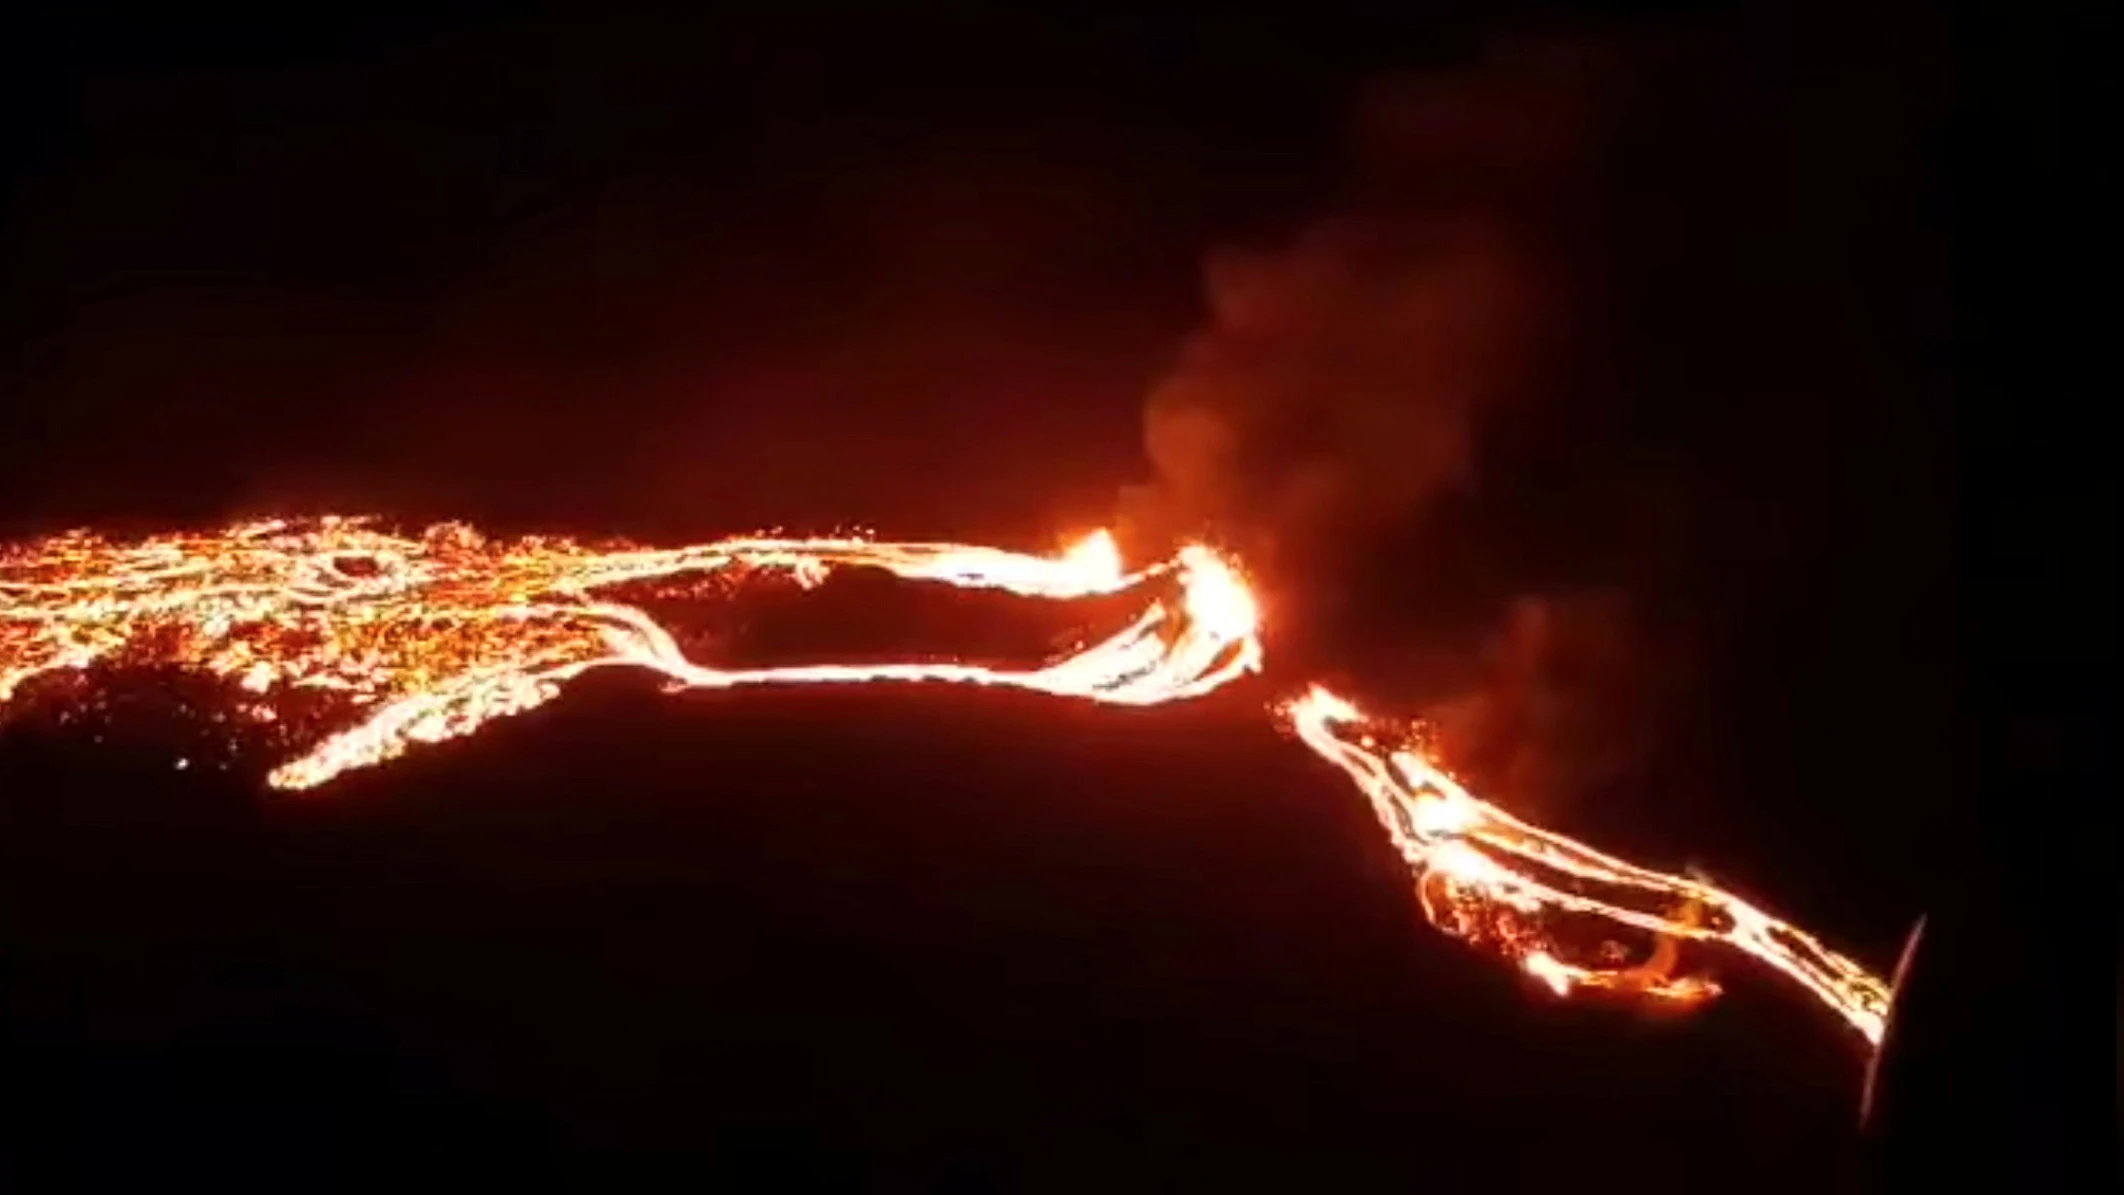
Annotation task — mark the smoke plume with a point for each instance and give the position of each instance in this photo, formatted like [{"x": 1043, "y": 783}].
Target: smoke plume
[
  {"x": 1559, "y": 419},
  {"x": 1341, "y": 393},
  {"x": 1342, "y": 378},
  {"x": 1569, "y": 692}
]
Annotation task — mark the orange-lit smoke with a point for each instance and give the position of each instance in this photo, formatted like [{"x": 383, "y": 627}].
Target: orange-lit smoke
[{"x": 1340, "y": 377}]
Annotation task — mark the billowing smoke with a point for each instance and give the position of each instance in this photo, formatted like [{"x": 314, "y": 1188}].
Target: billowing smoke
[
  {"x": 1568, "y": 694},
  {"x": 1343, "y": 377},
  {"x": 1587, "y": 378},
  {"x": 1345, "y": 387},
  {"x": 1341, "y": 381}
]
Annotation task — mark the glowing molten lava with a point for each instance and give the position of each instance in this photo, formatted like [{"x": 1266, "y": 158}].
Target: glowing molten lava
[
  {"x": 429, "y": 638},
  {"x": 1486, "y": 876},
  {"x": 404, "y": 640}
]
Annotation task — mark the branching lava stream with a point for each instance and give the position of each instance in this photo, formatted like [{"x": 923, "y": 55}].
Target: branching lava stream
[
  {"x": 419, "y": 639},
  {"x": 1488, "y": 876}
]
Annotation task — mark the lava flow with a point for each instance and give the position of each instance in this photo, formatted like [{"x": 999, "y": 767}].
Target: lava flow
[
  {"x": 421, "y": 639},
  {"x": 431, "y": 637},
  {"x": 1487, "y": 876}
]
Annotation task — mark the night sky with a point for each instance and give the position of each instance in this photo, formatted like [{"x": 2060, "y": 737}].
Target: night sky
[{"x": 1589, "y": 380}]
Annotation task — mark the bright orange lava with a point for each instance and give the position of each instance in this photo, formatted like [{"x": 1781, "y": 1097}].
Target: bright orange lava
[
  {"x": 1487, "y": 876},
  {"x": 426, "y": 638}
]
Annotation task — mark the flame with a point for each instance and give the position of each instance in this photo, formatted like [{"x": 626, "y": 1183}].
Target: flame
[
  {"x": 419, "y": 639},
  {"x": 1487, "y": 876},
  {"x": 1543, "y": 966},
  {"x": 430, "y": 637},
  {"x": 1095, "y": 555}
]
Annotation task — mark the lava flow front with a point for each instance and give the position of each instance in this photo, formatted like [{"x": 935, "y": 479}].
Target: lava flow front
[{"x": 419, "y": 639}]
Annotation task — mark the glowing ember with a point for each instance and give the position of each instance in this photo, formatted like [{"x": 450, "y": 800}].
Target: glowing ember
[
  {"x": 1486, "y": 876},
  {"x": 429, "y": 638}
]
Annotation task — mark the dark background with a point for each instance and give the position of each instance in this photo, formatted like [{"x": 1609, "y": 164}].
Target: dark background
[{"x": 576, "y": 270}]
